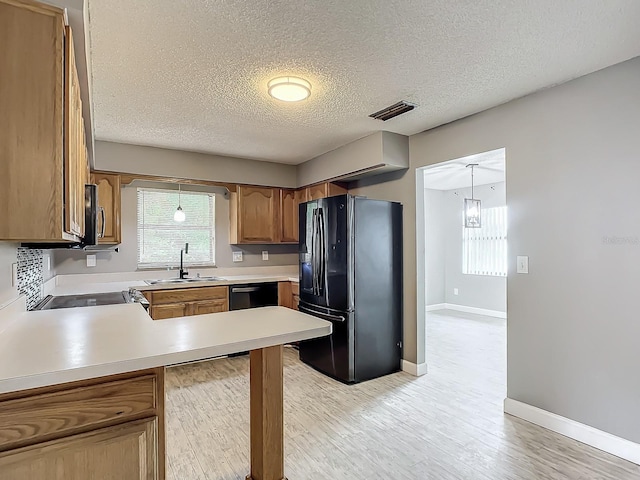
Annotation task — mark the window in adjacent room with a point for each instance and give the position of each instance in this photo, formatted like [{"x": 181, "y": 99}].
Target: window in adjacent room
[
  {"x": 484, "y": 250},
  {"x": 160, "y": 237}
]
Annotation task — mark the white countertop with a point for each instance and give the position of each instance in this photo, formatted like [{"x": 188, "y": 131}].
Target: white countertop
[{"x": 49, "y": 347}]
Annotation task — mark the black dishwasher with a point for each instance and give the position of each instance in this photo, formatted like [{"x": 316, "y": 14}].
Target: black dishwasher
[{"x": 252, "y": 295}]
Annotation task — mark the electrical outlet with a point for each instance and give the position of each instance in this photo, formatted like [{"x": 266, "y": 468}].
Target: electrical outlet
[
  {"x": 47, "y": 262},
  {"x": 91, "y": 260},
  {"x": 455, "y": 291},
  {"x": 522, "y": 264},
  {"x": 14, "y": 274},
  {"x": 265, "y": 255},
  {"x": 237, "y": 256}
]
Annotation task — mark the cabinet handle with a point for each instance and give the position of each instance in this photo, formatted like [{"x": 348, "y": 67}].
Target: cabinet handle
[
  {"x": 244, "y": 289},
  {"x": 101, "y": 234}
]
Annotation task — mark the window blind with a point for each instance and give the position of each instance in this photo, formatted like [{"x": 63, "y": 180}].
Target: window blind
[
  {"x": 484, "y": 250},
  {"x": 160, "y": 237}
]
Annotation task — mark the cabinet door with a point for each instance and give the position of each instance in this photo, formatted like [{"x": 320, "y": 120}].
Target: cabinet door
[
  {"x": 169, "y": 310},
  {"x": 257, "y": 214},
  {"x": 320, "y": 190},
  {"x": 288, "y": 216},
  {"x": 74, "y": 150},
  {"x": 210, "y": 306},
  {"x": 128, "y": 451},
  {"x": 109, "y": 201}
]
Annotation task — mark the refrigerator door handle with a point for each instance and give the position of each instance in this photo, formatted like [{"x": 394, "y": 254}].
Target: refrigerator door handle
[
  {"x": 313, "y": 254},
  {"x": 324, "y": 316},
  {"x": 323, "y": 255}
]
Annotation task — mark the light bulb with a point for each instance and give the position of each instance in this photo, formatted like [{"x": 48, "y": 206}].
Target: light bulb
[{"x": 179, "y": 216}]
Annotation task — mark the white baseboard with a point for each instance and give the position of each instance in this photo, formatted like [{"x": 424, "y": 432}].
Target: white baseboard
[
  {"x": 436, "y": 306},
  {"x": 604, "y": 441},
  {"x": 464, "y": 308},
  {"x": 414, "y": 369}
]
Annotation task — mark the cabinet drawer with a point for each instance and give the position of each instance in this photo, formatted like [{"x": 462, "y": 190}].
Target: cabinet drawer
[
  {"x": 46, "y": 416},
  {"x": 168, "y": 310},
  {"x": 188, "y": 295},
  {"x": 213, "y": 306}
]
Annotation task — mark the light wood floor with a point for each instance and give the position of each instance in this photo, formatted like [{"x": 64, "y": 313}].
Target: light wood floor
[{"x": 446, "y": 425}]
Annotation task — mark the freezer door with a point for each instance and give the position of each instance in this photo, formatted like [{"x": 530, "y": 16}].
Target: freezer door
[
  {"x": 332, "y": 355},
  {"x": 324, "y": 264}
]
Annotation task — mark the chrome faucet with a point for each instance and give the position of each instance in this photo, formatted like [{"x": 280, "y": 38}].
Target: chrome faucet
[{"x": 183, "y": 272}]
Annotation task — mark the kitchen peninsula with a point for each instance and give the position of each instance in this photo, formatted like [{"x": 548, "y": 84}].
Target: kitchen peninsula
[{"x": 88, "y": 393}]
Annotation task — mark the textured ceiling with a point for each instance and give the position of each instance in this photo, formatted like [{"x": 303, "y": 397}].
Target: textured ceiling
[
  {"x": 455, "y": 174},
  {"x": 192, "y": 74}
]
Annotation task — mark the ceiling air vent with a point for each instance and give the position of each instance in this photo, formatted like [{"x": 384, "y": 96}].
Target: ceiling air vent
[{"x": 393, "y": 111}]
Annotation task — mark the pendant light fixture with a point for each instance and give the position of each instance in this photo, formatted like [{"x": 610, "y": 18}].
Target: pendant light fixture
[
  {"x": 472, "y": 206},
  {"x": 179, "y": 216}
]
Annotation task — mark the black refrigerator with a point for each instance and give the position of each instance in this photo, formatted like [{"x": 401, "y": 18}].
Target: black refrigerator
[{"x": 350, "y": 252}]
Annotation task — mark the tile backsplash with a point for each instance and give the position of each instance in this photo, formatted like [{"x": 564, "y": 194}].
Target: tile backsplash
[{"x": 30, "y": 276}]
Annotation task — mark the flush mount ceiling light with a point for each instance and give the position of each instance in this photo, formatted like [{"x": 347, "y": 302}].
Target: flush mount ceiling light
[
  {"x": 179, "y": 216},
  {"x": 472, "y": 207},
  {"x": 289, "y": 89}
]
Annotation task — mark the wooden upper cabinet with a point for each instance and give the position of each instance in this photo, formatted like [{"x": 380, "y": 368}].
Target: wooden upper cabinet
[
  {"x": 254, "y": 215},
  {"x": 323, "y": 190},
  {"x": 75, "y": 150},
  {"x": 109, "y": 206},
  {"x": 288, "y": 216},
  {"x": 41, "y": 194},
  {"x": 314, "y": 192}
]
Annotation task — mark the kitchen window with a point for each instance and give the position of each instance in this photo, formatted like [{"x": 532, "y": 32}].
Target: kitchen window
[
  {"x": 160, "y": 237},
  {"x": 484, "y": 250}
]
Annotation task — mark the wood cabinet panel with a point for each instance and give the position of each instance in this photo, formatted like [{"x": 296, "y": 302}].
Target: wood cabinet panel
[
  {"x": 75, "y": 156},
  {"x": 254, "y": 215},
  {"x": 32, "y": 122},
  {"x": 169, "y": 310},
  {"x": 335, "y": 189},
  {"x": 213, "y": 306},
  {"x": 321, "y": 190},
  {"x": 109, "y": 200},
  {"x": 288, "y": 216},
  {"x": 188, "y": 294},
  {"x": 285, "y": 296},
  {"x": 127, "y": 451},
  {"x": 37, "y": 418}
]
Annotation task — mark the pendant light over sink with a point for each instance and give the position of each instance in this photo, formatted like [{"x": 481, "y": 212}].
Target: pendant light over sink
[
  {"x": 289, "y": 89},
  {"x": 179, "y": 216},
  {"x": 472, "y": 207}
]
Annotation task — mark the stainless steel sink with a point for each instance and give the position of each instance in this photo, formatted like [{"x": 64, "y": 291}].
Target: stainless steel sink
[{"x": 183, "y": 280}]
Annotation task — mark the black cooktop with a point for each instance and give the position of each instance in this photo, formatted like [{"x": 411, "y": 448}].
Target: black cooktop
[{"x": 89, "y": 300}]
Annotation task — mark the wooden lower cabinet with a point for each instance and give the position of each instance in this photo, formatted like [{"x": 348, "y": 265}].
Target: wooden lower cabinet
[
  {"x": 103, "y": 428},
  {"x": 182, "y": 302},
  {"x": 124, "y": 452},
  {"x": 289, "y": 294}
]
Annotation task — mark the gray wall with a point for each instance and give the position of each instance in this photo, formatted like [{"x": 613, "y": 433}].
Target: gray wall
[
  {"x": 68, "y": 262},
  {"x": 380, "y": 148},
  {"x": 119, "y": 157},
  {"x": 479, "y": 291},
  {"x": 435, "y": 246},
  {"x": 572, "y": 183}
]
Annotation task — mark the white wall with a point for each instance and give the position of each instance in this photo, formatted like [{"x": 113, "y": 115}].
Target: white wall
[
  {"x": 479, "y": 291},
  {"x": 435, "y": 246}
]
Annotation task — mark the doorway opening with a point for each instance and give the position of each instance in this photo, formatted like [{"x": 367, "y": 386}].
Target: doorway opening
[{"x": 462, "y": 270}]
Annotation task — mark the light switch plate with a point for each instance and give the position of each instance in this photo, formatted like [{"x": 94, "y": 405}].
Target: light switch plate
[
  {"x": 237, "y": 256},
  {"x": 522, "y": 264},
  {"x": 455, "y": 291},
  {"x": 91, "y": 260},
  {"x": 265, "y": 255}
]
